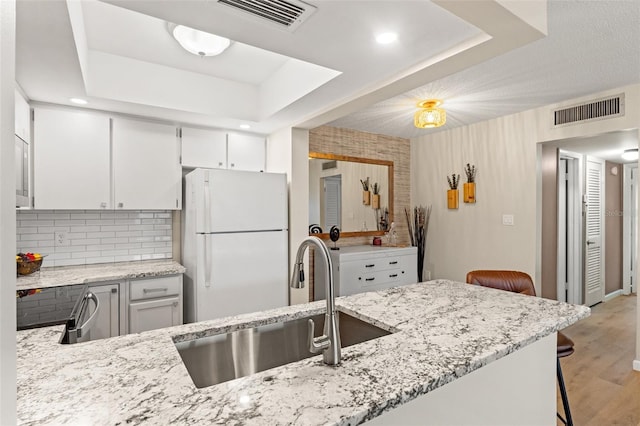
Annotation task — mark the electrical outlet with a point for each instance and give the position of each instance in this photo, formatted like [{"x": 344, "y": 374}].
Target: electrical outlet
[
  {"x": 61, "y": 239},
  {"x": 507, "y": 219}
]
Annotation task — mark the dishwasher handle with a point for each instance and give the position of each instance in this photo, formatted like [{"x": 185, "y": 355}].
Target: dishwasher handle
[{"x": 76, "y": 334}]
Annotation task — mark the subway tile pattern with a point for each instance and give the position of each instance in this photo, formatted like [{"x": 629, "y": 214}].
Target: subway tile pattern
[{"x": 83, "y": 237}]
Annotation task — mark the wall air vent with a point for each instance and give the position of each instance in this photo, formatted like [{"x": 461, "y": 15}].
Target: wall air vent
[
  {"x": 595, "y": 110},
  {"x": 286, "y": 14},
  {"x": 328, "y": 165}
]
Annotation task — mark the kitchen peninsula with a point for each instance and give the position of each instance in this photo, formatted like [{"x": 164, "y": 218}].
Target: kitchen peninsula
[{"x": 443, "y": 335}]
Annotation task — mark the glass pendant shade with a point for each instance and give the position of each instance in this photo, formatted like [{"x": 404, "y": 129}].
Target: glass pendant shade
[
  {"x": 198, "y": 42},
  {"x": 429, "y": 115}
]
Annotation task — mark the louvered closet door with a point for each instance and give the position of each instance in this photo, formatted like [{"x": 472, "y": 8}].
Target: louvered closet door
[{"x": 594, "y": 232}]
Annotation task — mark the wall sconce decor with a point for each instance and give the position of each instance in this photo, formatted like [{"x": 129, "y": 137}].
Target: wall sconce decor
[
  {"x": 469, "y": 188},
  {"x": 375, "y": 198},
  {"x": 366, "y": 195},
  {"x": 429, "y": 115},
  {"x": 452, "y": 193}
]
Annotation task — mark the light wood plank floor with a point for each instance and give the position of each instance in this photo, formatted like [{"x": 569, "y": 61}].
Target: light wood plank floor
[{"x": 602, "y": 386}]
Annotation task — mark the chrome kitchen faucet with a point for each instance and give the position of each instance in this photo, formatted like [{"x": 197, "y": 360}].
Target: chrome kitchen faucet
[{"x": 329, "y": 342}]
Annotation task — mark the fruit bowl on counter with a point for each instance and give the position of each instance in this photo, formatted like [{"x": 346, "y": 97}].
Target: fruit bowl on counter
[{"x": 28, "y": 263}]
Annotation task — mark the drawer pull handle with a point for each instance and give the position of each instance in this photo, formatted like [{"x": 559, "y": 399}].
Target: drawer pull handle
[
  {"x": 395, "y": 262},
  {"x": 371, "y": 265},
  {"x": 393, "y": 275},
  {"x": 370, "y": 279},
  {"x": 153, "y": 290}
]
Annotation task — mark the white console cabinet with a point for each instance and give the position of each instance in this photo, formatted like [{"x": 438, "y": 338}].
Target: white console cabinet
[{"x": 358, "y": 269}]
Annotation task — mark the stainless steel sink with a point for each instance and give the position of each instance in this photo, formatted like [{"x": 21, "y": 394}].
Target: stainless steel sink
[{"x": 222, "y": 357}]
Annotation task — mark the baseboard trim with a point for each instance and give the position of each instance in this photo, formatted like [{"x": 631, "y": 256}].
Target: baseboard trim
[
  {"x": 613, "y": 295},
  {"x": 636, "y": 364}
]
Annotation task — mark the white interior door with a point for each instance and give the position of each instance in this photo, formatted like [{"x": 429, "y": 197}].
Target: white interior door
[{"x": 594, "y": 231}]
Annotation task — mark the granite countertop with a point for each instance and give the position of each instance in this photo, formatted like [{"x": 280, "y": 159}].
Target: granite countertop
[
  {"x": 442, "y": 330},
  {"x": 69, "y": 275}
]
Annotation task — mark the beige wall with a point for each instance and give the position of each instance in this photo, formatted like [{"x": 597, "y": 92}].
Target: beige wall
[
  {"x": 613, "y": 227},
  {"x": 505, "y": 153},
  {"x": 332, "y": 140},
  {"x": 7, "y": 215}
]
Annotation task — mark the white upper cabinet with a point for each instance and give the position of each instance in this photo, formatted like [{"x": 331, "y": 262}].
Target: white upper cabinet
[
  {"x": 22, "y": 118},
  {"x": 245, "y": 152},
  {"x": 146, "y": 166},
  {"x": 71, "y": 160},
  {"x": 204, "y": 148}
]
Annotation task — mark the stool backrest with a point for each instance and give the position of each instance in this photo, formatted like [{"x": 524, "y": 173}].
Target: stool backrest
[{"x": 514, "y": 281}]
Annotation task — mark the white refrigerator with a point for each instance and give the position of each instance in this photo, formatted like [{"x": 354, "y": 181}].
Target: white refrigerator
[{"x": 235, "y": 243}]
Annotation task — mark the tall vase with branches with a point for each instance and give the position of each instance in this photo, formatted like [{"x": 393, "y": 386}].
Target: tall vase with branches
[{"x": 418, "y": 225}]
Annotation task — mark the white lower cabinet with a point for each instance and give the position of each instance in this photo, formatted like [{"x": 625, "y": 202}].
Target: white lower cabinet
[
  {"x": 108, "y": 321},
  {"x": 152, "y": 314},
  {"x": 155, "y": 303}
]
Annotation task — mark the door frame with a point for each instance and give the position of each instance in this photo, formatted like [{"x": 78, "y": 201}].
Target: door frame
[
  {"x": 627, "y": 195},
  {"x": 573, "y": 228}
]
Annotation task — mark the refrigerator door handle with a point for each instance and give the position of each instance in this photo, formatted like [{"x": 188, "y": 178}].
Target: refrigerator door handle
[
  {"x": 207, "y": 203},
  {"x": 208, "y": 261}
]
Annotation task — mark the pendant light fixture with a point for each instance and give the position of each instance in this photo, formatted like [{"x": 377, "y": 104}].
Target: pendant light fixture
[
  {"x": 199, "y": 42},
  {"x": 429, "y": 115}
]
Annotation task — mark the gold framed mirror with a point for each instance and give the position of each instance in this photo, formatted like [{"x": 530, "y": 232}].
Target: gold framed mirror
[{"x": 337, "y": 196}]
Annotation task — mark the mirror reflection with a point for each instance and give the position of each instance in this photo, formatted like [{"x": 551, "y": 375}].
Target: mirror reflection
[{"x": 352, "y": 193}]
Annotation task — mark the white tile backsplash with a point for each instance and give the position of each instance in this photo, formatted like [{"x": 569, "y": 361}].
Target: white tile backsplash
[{"x": 95, "y": 236}]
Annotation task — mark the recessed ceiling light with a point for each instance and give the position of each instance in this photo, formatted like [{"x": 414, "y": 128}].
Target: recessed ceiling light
[
  {"x": 245, "y": 126},
  {"x": 199, "y": 42},
  {"x": 386, "y": 38},
  {"x": 78, "y": 101},
  {"x": 630, "y": 154}
]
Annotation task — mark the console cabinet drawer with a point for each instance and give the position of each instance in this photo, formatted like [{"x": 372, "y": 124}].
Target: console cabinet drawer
[{"x": 153, "y": 288}]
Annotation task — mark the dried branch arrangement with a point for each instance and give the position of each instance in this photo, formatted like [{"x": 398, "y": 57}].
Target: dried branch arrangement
[
  {"x": 470, "y": 171},
  {"x": 454, "y": 180},
  {"x": 365, "y": 184},
  {"x": 418, "y": 224},
  {"x": 376, "y": 188}
]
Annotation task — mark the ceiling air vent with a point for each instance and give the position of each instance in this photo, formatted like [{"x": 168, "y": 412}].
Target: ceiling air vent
[
  {"x": 596, "y": 110},
  {"x": 287, "y": 14}
]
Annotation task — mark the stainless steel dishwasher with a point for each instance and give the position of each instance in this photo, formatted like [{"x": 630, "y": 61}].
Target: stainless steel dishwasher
[{"x": 74, "y": 306}]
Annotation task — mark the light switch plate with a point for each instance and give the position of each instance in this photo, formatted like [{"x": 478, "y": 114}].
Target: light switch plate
[{"x": 507, "y": 219}]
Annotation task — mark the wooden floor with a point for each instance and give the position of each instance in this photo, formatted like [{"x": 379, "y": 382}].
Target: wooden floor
[{"x": 602, "y": 386}]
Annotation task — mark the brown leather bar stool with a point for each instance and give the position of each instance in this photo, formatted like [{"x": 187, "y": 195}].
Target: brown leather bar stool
[{"x": 520, "y": 282}]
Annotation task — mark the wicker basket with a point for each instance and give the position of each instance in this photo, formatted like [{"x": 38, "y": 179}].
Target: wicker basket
[{"x": 26, "y": 267}]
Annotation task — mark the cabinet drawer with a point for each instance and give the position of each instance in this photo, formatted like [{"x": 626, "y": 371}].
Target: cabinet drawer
[{"x": 153, "y": 288}]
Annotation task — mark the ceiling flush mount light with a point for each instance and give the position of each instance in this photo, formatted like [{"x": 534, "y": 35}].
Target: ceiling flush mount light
[
  {"x": 198, "y": 42},
  {"x": 429, "y": 115},
  {"x": 630, "y": 154},
  {"x": 245, "y": 126},
  {"x": 78, "y": 101},
  {"x": 386, "y": 38}
]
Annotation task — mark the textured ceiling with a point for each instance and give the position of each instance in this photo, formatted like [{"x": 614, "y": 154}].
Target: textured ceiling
[{"x": 591, "y": 46}]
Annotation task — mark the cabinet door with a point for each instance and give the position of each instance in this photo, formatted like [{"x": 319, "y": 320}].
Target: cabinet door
[
  {"x": 71, "y": 160},
  {"x": 245, "y": 152},
  {"x": 152, "y": 314},
  {"x": 146, "y": 166},
  {"x": 204, "y": 148},
  {"x": 108, "y": 323},
  {"x": 22, "y": 118}
]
